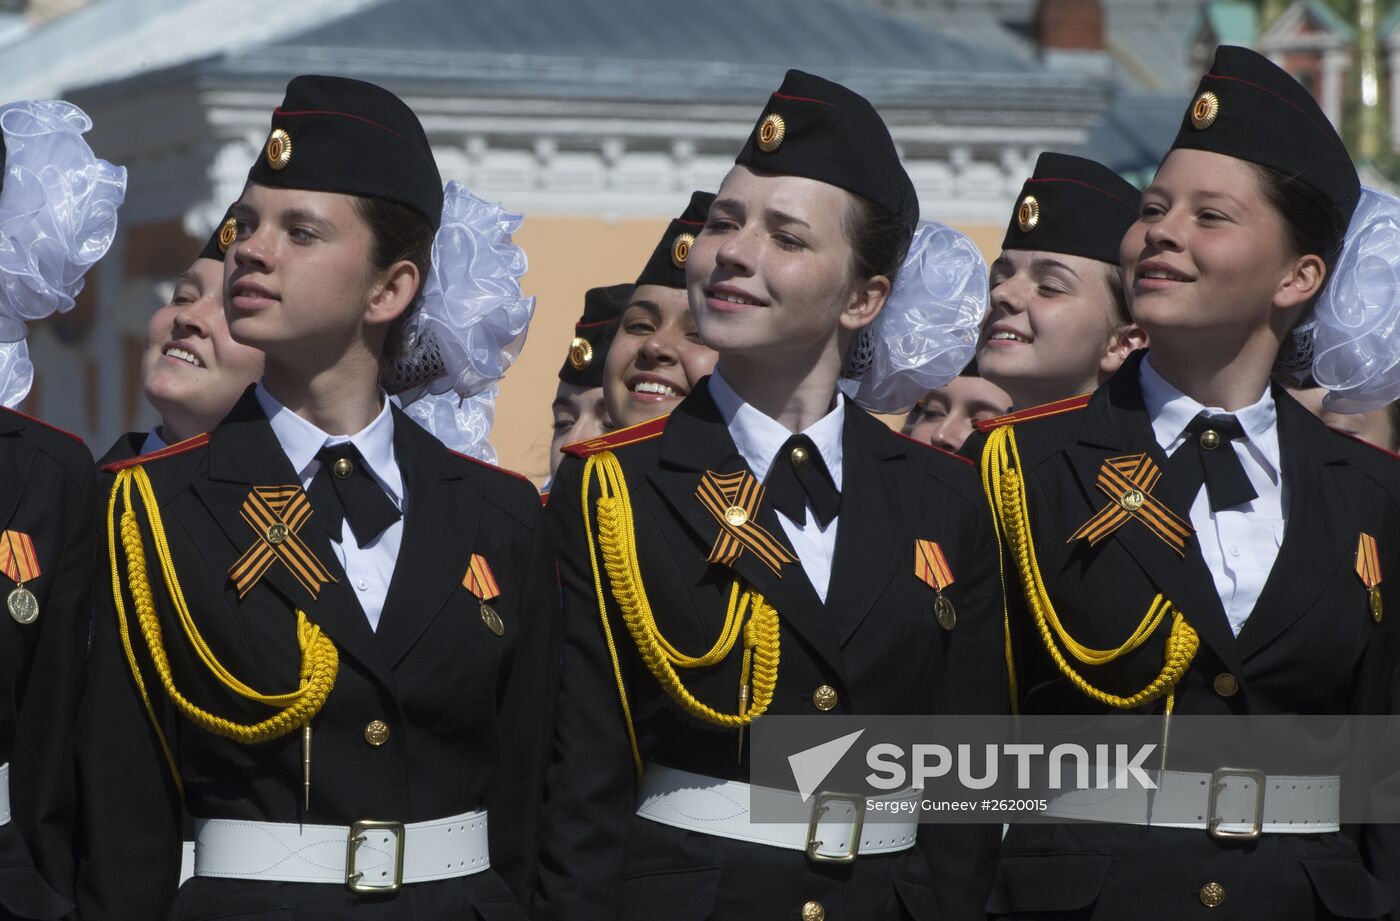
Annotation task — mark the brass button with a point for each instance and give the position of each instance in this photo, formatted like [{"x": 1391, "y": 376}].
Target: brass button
[
  {"x": 1210, "y": 439},
  {"x": 813, "y": 911},
  {"x": 825, "y": 697},
  {"x": 276, "y": 533},
  {"x": 1226, "y": 684},
  {"x": 1131, "y": 500},
  {"x": 377, "y": 733},
  {"x": 342, "y": 468},
  {"x": 798, "y": 457},
  {"x": 1212, "y": 895},
  {"x": 735, "y": 516}
]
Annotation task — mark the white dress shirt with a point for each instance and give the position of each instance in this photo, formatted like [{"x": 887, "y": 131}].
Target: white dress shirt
[
  {"x": 370, "y": 568},
  {"x": 1239, "y": 544},
  {"x": 759, "y": 439},
  {"x": 153, "y": 441}
]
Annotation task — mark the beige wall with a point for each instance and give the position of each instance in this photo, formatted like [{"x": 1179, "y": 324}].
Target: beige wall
[{"x": 567, "y": 257}]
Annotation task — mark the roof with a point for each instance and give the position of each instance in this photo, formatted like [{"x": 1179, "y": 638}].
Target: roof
[
  {"x": 1135, "y": 133},
  {"x": 1231, "y": 22}
]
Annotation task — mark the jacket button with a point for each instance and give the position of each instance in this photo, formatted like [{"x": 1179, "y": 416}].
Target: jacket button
[
  {"x": 813, "y": 911},
  {"x": 1212, "y": 895},
  {"x": 1226, "y": 684},
  {"x": 825, "y": 697},
  {"x": 377, "y": 733}
]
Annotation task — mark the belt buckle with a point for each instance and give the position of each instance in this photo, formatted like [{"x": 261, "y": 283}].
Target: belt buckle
[
  {"x": 353, "y": 841},
  {"x": 1213, "y": 821},
  {"x": 819, "y": 808}
]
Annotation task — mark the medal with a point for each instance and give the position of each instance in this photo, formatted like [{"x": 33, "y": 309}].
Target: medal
[
  {"x": 481, "y": 582},
  {"x": 1377, "y": 609},
  {"x": 944, "y": 611},
  {"x": 492, "y": 620},
  {"x": 24, "y": 607},
  {"x": 1368, "y": 569}
]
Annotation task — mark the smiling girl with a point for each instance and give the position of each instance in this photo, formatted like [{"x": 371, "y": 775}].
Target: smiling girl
[{"x": 770, "y": 520}]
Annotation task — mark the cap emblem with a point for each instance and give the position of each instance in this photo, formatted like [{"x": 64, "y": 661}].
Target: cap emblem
[
  {"x": 228, "y": 232},
  {"x": 1205, "y": 110},
  {"x": 279, "y": 149},
  {"x": 580, "y": 353},
  {"x": 680, "y": 249},
  {"x": 771, "y": 132},
  {"x": 1028, "y": 214}
]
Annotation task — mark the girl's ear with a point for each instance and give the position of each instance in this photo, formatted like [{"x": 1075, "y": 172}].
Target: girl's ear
[
  {"x": 1301, "y": 283},
  {"x": 393, "y": 294},
  {"x": 866, "y": 303}
]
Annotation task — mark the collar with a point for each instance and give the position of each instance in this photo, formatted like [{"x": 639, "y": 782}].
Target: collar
[
  {"x": 1171, "y": 411},
  {"x": 759, "y": 438},
  {"x": 300, "y": 440}
]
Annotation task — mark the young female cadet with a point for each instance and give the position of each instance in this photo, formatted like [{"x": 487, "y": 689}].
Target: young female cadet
[
  {"x": 192, "y": 372},
  {"x": 325, "y": 630},
  {"x": 662, "y": 530},
  {"x": 579, "y": 411},
  {"x": 58, "y": 208},
  {"x": 1058, "y": 325},
  {"x": 1243, "y": 551},
  {"x": 657, "y": 358}
]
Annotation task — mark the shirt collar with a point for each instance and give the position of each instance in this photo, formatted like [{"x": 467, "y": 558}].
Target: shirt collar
[
  {"x": 153, "y": 441},
  {"x": 300, "y": 440},
  {"x": 1171, "y": 411},
  {"x": 759, "y": 438}
]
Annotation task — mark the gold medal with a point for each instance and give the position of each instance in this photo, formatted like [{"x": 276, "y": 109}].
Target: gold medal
[
  {"x": 1377, "y": 608},
  {"x": 945, "y": 612},
  {"x": 24, "y": 607},
  {"x": 492, "y": 620}
]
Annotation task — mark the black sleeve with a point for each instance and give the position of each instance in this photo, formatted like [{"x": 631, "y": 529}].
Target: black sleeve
[{"x": 591, "y": 783}]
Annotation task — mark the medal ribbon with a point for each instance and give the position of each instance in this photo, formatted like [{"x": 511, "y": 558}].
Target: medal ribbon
[
  {"x": 1129, "y": 481},
  {"x": 1368, "y": 561},
  {"x": 287, "y": 506},
  {"x": 734, "y": 499},
  {"x": 479, "y": 579},
  {"x": 17, "y": 557},
  {"x": 931, "y": 566}
]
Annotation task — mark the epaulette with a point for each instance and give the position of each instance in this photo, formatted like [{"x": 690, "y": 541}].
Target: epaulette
[
  {"x": 1361, "y": 441},
  {"x": 932, "y": 447},
  {"x": 48, "y": 425},
  {"x": 1034, "y": 412},
  {"x": 180, "y": 447},
  {"x": 496, "y": 467},
  {"x": 620, "y": 438}
]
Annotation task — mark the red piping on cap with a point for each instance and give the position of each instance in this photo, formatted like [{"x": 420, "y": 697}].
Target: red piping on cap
[
  {"x": 1264, "y": 89},
  {"x": 359, "y": 118},
  {"x": 1080, "y": 182},
  {"x": 820, "y": 102}
]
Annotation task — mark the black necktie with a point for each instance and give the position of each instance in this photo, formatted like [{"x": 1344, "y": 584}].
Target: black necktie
[
  {"x": 343, "y": 488},
  {"x": 799, "y": 477},
  {"x": 1206, "y": 456}
]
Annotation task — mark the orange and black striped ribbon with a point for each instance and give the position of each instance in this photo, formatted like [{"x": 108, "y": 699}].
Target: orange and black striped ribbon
[
  {"x": 1133, "y": 474},
  {"x": 931, "y": 566},
  {"x": 1368, "y": 561},
  {"x": 479, "y": 580},
  {"x": 724, "y": 493},
  {"x": 17, "y": 557},
  {"x": 288, "y": 506}
]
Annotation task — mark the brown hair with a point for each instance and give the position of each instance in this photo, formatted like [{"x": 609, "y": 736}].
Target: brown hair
[
  {"x": 399, "y": 232},
  {"x": 879, "y": 238}
]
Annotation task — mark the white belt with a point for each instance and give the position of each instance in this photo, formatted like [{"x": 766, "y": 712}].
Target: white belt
[
  {"x": 835, "y": 833},
  {"x": 366, "y": 857},
  {"x": 1228, "y": 803}
]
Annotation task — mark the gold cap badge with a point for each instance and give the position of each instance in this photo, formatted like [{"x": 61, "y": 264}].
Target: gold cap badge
[
  {"x": 228, "y": 232},
  {"x": 1205, "y": 110},
  {"x": 680, "y": 249},
  {"x": 580, "y": 353},
  {"x": 279, "y": 149},
  {"x": 771, "y": 132},
  {"x": 1028, "y": 214}
]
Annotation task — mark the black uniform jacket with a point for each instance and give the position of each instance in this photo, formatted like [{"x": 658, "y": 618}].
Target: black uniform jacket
[
  {"x": 1310, "y": 646},
  {"x": 47, "y": 493},
  {"x": 875, "y": 641},
  {"x": 459, "y": 701}
]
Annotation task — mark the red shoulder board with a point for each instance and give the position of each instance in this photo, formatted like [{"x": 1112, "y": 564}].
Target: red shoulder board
[
  {"x": 180, "y": 447},
  {"x": 630, "y": 435},
  {"x": 499, "y": 469},
  {"x": 924, "y": 444},
  {"x": 1034, "y": 412},
  {"x": 48, "y": 425},
  {"x": 1361, "y": 441}
]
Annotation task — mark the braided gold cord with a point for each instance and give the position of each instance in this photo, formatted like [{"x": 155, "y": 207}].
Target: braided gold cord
[{"x": 1001, "y": 479}]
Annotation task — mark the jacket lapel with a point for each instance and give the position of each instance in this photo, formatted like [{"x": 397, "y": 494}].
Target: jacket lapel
[
  {"x": 439, "y": 529},
  {"x": 697, "y": 440},
  {"x": 1116, "y": 424},
  {"x": 877, "y": 485},
  {"x": 243, "y": 453},
  {"x": 1323, "y": 491},
  {"x": 14, "y": 466}
]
